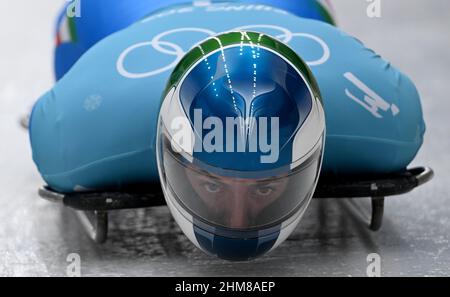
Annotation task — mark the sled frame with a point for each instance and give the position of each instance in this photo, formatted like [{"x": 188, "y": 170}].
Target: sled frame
[{"x": 92, "y": 208}]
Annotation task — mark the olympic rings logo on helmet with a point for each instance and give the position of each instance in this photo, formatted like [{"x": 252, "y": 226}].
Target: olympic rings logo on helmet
[{"x": 173, "y": 49}]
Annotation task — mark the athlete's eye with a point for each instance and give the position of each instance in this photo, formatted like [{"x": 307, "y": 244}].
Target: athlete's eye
[
  {"x": 212, "y": 187},
  {"x": 264, "y": 191}
]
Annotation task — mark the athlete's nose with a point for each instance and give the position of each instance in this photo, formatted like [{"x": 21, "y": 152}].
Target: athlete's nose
[{"x": 237, "y": 209}]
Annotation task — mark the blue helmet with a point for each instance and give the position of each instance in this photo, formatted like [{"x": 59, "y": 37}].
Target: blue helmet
[{"x": 240, "y": 143}]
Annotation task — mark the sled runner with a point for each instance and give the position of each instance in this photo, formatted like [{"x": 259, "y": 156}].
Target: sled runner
[{"x": 92, "y": 207}]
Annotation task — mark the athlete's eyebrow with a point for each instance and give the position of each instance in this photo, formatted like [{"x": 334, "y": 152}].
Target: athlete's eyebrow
[
  {"x": 204, "y": 173},
  {"x": 268, "y": 182}
]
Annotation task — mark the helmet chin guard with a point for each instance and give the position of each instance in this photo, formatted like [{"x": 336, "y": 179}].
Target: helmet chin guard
[{"x": 240, "y": 143}]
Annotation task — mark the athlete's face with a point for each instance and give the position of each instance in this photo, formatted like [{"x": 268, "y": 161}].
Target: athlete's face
[{"x": 236, "y": 202}]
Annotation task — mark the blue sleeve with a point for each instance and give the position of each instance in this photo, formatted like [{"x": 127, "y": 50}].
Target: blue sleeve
[
  {"x": 101, "y": 18},
  {"x": 373, "y": 111}
]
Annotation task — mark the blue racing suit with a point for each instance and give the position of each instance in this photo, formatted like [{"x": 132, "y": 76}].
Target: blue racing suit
[{"x": 96, "y": 128}]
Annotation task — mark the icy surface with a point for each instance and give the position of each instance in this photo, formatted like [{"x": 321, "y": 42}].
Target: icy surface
[{"x": 36, "y": 236}]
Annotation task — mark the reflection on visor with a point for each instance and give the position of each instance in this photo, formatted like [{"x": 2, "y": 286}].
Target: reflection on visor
[{"x": 237, "y": 203}]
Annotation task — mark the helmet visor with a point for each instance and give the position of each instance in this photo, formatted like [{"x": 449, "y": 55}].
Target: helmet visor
[{"x": 230, "y": 201}]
